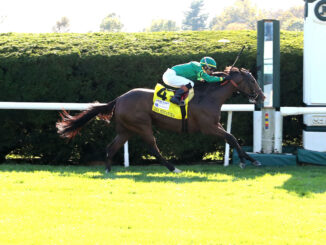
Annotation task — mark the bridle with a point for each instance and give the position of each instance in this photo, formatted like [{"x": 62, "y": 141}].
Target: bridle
[{"x": 252, "y": 97}]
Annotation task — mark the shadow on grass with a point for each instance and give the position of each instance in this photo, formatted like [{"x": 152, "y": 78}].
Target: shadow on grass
[
  {"x": 303, "y": 181},
  {"x": 151, "y": 173}
]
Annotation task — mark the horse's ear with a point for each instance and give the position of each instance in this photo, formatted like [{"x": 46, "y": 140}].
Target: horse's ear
[
  {"x": 244, "y": 70},
  {"x": 227, "y": 69}
]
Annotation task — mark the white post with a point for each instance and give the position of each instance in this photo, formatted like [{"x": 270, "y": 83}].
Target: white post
[
  {"x": 257, "y": 131},
  {"x": 278, "y": 134},
  {"x": 126, "y": 155},
  {"x": 227, "y": 146},
  {"x": 268, "y": 130}
]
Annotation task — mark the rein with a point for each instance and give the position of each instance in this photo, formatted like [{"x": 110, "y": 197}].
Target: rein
[{"x": 233, "y": 83}]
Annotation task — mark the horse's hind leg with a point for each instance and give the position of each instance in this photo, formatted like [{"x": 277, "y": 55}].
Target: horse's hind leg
[
  {"x": 150, "y": 140},
  {"x": 112, "y": 149}
]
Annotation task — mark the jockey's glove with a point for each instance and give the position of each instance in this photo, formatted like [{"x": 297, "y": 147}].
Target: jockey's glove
[{"x": 226, "y": 78}]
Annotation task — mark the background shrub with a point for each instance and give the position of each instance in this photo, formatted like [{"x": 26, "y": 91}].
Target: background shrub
[{"x": 101, "y": 66}]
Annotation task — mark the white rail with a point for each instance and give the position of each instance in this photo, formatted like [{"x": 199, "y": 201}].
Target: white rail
[
  {"x": 45, "y": 106},
  {"x": 83, "y": 106},
  {"x": 238, "y": 107},
  {"x": 288, "y": 111},
  {"x": 291, "y": 111}
]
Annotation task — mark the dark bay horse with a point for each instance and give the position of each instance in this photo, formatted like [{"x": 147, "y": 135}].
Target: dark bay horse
[{"x": 133, "y": 114}]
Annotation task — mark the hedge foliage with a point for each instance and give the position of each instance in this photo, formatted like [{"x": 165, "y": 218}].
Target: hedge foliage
[{"x": 102, "y": 66}]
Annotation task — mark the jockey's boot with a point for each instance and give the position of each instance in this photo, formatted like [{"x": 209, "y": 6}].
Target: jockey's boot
[{"x": 176, "y": 99}]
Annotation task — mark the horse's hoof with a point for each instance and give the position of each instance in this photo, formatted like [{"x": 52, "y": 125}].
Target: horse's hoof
[
  {"x": 242, "y": 165},
  {"x": 256, "y": 163},
  {"x": 107, "y": 171},
  {"x": 176, "y": 170}
]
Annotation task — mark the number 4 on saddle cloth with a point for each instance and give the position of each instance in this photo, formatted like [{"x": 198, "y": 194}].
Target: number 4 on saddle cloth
[{"x": 163, "y": 106}]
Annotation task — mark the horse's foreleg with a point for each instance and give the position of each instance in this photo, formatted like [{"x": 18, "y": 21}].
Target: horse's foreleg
[
  {"x": 150, "y": 140},
  {"x": 112, "y": 149},
  {"x": 233, "y": 142}
]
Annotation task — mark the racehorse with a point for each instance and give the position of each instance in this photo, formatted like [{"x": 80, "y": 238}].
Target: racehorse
[{"x": 133, "y": 115}]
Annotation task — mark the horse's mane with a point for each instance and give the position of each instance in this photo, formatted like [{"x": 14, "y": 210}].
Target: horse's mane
[{"x": 205, "y": 86}]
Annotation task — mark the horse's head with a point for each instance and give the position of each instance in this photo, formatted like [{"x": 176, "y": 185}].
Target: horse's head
[{"x": 245, "y": 83}]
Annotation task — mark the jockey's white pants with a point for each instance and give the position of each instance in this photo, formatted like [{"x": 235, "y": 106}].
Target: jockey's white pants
[{"x": 171, "y": 78}]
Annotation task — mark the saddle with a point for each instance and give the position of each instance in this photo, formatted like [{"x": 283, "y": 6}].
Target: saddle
[
  {"x": 163, "y": 106},
  {"x": 190, "y": 93}
]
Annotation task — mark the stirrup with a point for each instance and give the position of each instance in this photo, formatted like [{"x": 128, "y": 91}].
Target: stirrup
[{"x": 175, "y": 101}]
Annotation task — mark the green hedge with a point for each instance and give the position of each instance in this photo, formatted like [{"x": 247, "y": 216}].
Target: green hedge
[{"x": 101, "y": 66}]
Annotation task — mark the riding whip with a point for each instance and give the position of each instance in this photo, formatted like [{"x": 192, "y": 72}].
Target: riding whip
[{"x": 236, "y": 59}]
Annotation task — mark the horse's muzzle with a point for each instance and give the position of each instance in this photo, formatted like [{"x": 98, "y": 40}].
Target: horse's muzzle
[
  {"x": 257, "y": 98},
  {"x": 261, "y": 97}
]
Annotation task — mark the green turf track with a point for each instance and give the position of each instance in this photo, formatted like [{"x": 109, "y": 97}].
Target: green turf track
[{"x": 206, "y": 204}]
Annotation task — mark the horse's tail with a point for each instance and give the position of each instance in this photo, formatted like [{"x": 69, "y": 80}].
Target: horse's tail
[{"x": 69, "y": 126}]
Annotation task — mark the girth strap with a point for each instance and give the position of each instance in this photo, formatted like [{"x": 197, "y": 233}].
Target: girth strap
[{"x": 184, "y": 121}]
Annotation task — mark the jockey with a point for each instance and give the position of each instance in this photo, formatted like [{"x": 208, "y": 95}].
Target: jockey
[{"x": 183, "y": 76}]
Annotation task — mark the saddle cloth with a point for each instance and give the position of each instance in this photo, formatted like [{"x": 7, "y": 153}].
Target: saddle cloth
[{"x": 163, "y": 106}]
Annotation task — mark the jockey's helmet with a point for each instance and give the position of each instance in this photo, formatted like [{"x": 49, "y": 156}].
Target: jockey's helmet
[{"x": 208, "y": 63}]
